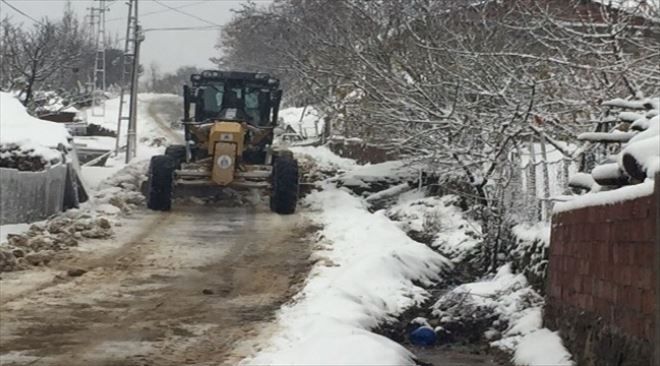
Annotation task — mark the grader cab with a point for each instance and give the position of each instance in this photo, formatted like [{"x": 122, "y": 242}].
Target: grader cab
[{"x": 228, "y": 142}]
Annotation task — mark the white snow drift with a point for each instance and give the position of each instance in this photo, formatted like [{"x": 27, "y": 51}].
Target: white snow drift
[
  {"x": 365, "y": 274},
  {"x": 32, "y": 136}
]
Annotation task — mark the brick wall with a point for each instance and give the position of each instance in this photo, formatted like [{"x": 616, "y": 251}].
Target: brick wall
[{"x": 602, "y": 282}]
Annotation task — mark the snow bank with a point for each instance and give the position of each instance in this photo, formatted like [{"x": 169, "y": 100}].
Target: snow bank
[
  {"x": 32, "y": 136},
  {"x": 365, "y": 273},
  {"x": 541, "y": 347},
  {"x": 325, "y": 158}
]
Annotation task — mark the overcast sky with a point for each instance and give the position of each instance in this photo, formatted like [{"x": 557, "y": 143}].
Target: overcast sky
[{"x": 169, "y": 49}]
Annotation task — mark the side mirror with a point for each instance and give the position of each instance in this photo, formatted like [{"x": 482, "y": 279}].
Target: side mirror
[
  {"x": 198, "y": 99},
  {"x": 275, "y": 103},
  {"x": 186, "y": 103}
]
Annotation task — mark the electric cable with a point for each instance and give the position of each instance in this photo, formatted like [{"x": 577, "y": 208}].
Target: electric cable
[
  {"x": 21, "y": 12},
  {"x": 184, "y": 13}
]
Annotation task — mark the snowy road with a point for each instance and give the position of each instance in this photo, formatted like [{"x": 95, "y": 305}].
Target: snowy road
[{"x": 199, "y": 285}]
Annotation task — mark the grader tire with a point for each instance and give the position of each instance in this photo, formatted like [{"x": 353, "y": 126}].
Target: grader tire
[
  {"x": 284, "y": 196},
  {"x": 161, "y": 175},
  {"x": 176, "y": 152}
]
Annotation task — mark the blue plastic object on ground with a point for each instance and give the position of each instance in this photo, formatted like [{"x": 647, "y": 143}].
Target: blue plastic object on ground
[{"x": 423, "y": 336}]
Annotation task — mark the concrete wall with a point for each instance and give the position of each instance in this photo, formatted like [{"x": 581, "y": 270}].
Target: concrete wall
[
  {"x": 31, "y": 196},
  {"x": 602, "y": 285}
]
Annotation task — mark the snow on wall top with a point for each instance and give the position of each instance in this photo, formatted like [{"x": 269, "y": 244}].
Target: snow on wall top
[
  {"x": 631, "y": 174},
  {"x": 606, "y": 198},
  {"x": 31, "y": 135}
]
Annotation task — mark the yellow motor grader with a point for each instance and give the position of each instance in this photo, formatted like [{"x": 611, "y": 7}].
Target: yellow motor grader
[{"x": 228, "y": 141}]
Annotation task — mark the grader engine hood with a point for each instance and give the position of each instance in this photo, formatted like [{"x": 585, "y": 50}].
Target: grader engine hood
[{"x": 225, "y": 144}]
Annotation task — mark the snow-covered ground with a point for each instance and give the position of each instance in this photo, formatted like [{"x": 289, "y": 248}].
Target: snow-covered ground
[
  {"x": 368, "y": 270},
  {"x": 364, "y": 275},
  {"x": 153, "y": 134}
]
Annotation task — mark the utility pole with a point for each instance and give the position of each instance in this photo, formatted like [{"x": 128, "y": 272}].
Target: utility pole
[
  {"x": 89, "y": 85},
  {"x": 131, "y": 143},
  {"x": 98, "y": 90},
  {"x": 130, "y": 62}
]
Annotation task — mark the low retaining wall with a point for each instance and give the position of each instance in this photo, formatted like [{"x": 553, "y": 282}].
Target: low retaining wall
[
  {"x": 31, "y": 196},
  {"x": 601, "y": 291}
]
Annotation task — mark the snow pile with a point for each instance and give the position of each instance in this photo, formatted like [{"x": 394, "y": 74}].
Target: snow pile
[
  {"x": 378, "y": 177},
  {"x": 541, "y": 347},
  {"x": 25, "y": 137},
  {"x": 93, "y": 220},
  {"x": 505, "y": 310},
  {"x": 324, "y": 158},
  {"x": 364, "y": 275},
  {"x": 438, "y": 221}
]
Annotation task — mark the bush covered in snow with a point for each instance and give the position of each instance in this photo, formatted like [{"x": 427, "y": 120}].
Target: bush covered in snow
[
  {"x": 441, "y": 223},
  {"x": 504, "y": 310},
  {"x": 528, "y": 252}
]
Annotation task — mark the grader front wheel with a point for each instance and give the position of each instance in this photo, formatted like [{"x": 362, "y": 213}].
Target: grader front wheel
[
  {"x": 284, "y": 195},
  {"x": 161, "y": 175}
]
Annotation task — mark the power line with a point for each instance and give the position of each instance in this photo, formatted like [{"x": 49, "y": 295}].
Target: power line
[
  {"x": 184, "y": 13},
  {"x": 21, "y": 12},
  {"x": 200, "y": 28},
  {"x": 206, "y": 27},
  {"x": 161, "y": 11}
]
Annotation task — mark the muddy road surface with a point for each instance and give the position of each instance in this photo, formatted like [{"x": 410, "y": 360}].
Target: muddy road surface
[{"x": 189, "y": 287}]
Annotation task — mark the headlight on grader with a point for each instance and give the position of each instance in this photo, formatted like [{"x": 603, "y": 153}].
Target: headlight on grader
[{"x": 224, "y": 161}]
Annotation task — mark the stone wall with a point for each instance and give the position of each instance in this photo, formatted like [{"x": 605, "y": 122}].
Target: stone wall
[{"x": 602, "y": 285}]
